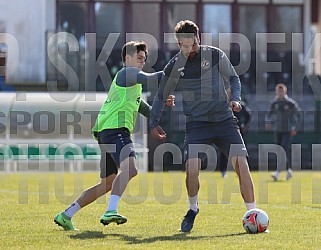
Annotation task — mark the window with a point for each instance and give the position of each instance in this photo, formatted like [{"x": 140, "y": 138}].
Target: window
[
  {"x": 146, "y": 19},
  {"x": 109, "y": 18},
  {"x": 72, "y": 17},
  {"x": 176, "y": 13},
  {"x": 217, "y": 19},
  {"x": 287, "y": 19},
  {"x": 252, "y": 20}
]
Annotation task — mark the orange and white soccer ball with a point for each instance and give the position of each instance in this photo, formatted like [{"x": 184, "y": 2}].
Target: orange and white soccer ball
[{"x": 255, "y": 221}]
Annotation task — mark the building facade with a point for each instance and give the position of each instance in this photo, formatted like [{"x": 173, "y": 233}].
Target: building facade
[{"x": 247, "y": 25}]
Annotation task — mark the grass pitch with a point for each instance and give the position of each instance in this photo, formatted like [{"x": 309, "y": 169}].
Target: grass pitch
[{"x": 154, "y": 204}]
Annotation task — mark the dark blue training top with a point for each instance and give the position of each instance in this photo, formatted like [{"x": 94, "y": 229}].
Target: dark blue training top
[
  {"x": 285, "y": 114},
  {"x": 201, "y": 81},
  {"x": 129, "y": 76}
]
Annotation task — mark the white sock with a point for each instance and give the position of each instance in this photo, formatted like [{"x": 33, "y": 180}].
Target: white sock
[
  {"x": 250, "y": 205},
  {"x": 72, "y": 209},
  {"x": 193, "y": 203},
  {"x": 113, "y": 202}
]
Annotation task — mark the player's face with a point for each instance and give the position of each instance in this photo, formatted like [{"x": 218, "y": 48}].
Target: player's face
[
  {"x": 189, "y": 46},
  {"x": 140, "y": 59},
  {"x": 137, "y": 60},
  {"x": 280, "y": 92}
]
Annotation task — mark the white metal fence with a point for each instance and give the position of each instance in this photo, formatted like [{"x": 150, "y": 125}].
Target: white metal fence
[{"x": 52, "y": 132}]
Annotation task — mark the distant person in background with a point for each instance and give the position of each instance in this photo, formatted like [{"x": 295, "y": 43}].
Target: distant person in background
[
  {"x": 243, "y": 121},
  {"x": 284, "y": 116}
]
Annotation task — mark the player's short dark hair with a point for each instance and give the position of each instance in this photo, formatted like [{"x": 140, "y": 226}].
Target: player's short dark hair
[
  {"x": 186, "y": 29},
  {"x": 131, "y": 47},
  {"x": 281, "y": 86}
]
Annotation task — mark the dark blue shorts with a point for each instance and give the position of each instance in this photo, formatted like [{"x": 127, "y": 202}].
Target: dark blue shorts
[
  {"x": 225, "y": 135},
  {"x": 115, "y": 145}
]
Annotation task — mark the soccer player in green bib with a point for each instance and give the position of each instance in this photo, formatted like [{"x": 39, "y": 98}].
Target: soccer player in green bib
[{"x": 113, "y": 127}]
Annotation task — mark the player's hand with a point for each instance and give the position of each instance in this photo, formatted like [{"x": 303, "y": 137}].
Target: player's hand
[
  {"x": 235, "y": 106},
  {"x": 293, "y": 132},
  {"x": 268, "y": 126},
  {"x": 158, "y": 133},
  {"x": 170, "y": 102}
]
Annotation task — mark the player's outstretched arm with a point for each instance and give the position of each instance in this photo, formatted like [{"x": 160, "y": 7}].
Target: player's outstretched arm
[
  {"x": 130, "y": 76},
  {"x": 163, "y": 92},
  {"x": 145, "y": 108}
]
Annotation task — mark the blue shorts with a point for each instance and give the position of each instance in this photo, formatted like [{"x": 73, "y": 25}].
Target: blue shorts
[
  {"x": 225, "y": 135},
  {"x": 115, "y": 145}
]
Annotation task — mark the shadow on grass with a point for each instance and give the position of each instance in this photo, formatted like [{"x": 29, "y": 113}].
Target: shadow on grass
[
  {"x": 137, "y": 240},
  {"x": 88, "y": 235},
  {"x": 174, "y": 237},
  {"x": 229, "y": 235}
]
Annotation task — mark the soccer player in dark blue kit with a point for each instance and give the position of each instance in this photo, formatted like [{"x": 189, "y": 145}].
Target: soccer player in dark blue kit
[
  {"x": 199, "y": 72},
  {"x": 284, "y": 114}
]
